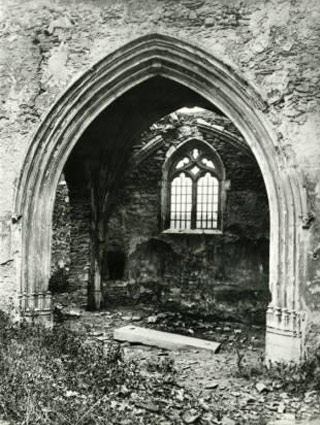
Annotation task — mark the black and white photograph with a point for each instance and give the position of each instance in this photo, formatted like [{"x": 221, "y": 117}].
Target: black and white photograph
[{"x": 159, "y": 212}]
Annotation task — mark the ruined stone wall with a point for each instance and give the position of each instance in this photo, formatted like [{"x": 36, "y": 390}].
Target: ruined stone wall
[
  {"x": 80, "y": 243},
  {"x": 193, "y": 268},
  {"x": 44, "y": 46},
  {"x": 70, "y": 248},
  {"x": 234, "y": 264},
  {"x": 61, "y": 230}
]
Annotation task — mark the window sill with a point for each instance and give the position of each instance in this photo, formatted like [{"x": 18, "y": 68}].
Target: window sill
[{"x": 193, "y": 231}]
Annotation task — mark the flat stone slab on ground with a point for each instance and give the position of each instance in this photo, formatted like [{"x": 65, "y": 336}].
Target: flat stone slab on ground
[{"x": 169, "y": 341}]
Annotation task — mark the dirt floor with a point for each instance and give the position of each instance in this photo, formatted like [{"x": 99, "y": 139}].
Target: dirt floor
[{"x": 226, "y": 384}]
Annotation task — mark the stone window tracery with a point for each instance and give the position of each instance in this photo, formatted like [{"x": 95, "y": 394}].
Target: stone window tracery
[{"x": 193, "y": 192}]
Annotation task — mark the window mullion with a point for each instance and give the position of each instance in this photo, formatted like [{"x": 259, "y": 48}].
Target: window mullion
[{"x": 194, "y": 205}]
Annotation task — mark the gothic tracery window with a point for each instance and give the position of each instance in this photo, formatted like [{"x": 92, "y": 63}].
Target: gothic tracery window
[{"x": 194, "y": 185}]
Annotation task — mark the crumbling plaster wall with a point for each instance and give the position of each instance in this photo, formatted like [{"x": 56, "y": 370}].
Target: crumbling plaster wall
[
  {"x": 196, "y": 268},
  {"x": 45, "y": 45}
]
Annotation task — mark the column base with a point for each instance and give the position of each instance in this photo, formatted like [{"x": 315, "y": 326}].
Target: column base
[
  {"x": 284, "y": 335},
  {"x": 281, "y": 347},
  {"x": 43, "y": 317}
]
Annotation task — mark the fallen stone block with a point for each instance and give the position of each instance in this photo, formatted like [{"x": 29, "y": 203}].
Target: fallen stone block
[
  {"x": 169, "y": 341},
  {"x": 212, "y": 386}
]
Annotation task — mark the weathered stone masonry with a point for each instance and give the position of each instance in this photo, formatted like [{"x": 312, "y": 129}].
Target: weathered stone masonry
[
  {"x": 275, "y": 46},
  {"x": 233, "y": 265},
  {"x": 238, "y": 258},
  {"x": 60, "y": 254}
]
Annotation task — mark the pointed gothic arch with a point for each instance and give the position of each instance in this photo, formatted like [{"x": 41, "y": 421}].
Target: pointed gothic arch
[{"x": 195, "y": 68}]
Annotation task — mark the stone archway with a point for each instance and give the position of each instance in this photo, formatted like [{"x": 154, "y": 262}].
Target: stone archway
[{"x": 192, "y": 67}]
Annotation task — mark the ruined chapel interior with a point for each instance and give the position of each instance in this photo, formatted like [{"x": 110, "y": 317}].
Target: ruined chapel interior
[
  {"x": 185, "y": 219},
  {"x": 159, "y": 175},
  {"x": 172, "y": 191}
]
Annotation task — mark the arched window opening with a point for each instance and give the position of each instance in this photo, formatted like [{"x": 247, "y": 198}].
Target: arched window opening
[
  {"x": 207, "y": 202},
  {"x": 181, "y": 202},
  {"x": 194, "y": 180}
]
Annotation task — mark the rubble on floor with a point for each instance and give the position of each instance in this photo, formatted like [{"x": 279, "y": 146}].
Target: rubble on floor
[{"x": 226, "y": 396}]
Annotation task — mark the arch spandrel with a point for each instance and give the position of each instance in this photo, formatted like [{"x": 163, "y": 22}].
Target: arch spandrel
[{"x": 106, "y": 81}]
